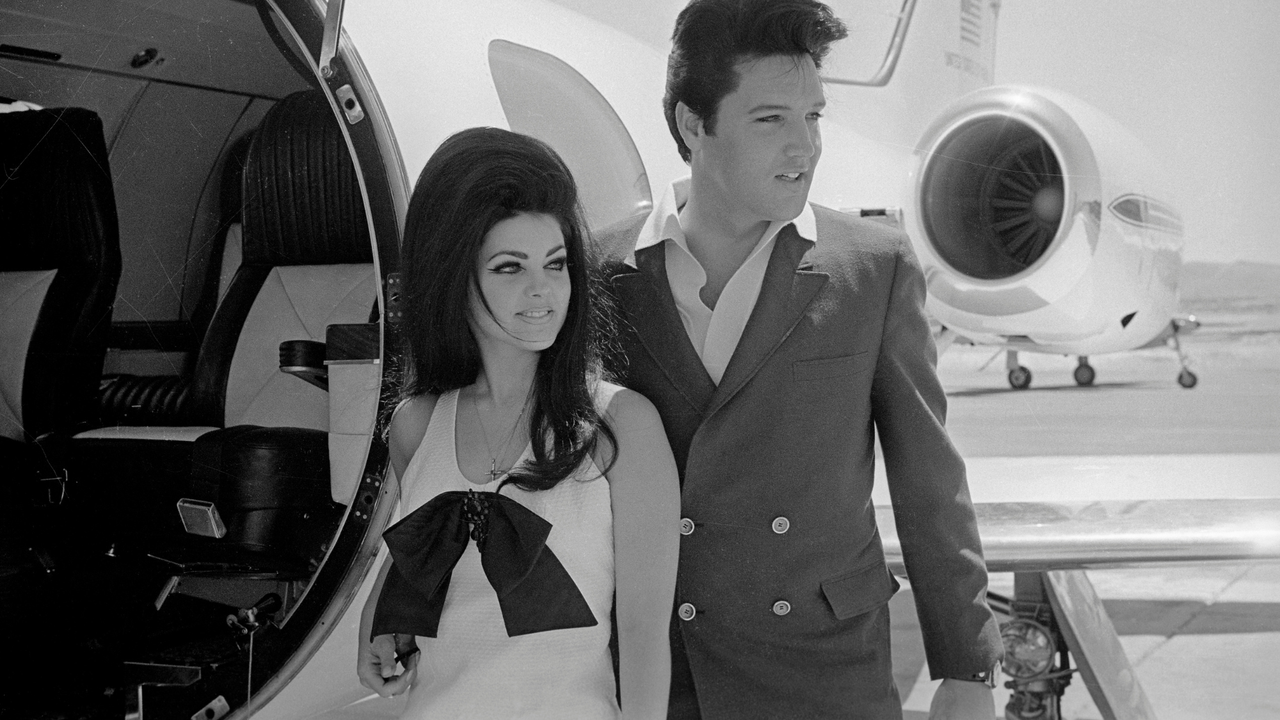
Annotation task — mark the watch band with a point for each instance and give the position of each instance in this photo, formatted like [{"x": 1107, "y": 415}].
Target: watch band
[{"x": 987, "y": 678}]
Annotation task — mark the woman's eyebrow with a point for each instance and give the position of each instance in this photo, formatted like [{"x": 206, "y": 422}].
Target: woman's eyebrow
[{"x": 522, "y": 255}]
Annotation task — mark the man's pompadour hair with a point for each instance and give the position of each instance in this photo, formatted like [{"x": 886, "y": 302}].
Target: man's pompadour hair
[{"x": 712, "y": 36}]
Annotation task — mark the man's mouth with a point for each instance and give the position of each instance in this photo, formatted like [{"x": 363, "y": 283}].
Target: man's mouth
[{"x": 790, "y": 177}]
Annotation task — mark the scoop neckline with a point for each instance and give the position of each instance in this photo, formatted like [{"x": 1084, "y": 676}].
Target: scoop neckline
[{"x": 453, "y": 443}]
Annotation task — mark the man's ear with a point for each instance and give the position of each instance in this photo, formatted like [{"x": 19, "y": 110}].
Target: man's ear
[{"x": 690, "y": 126}]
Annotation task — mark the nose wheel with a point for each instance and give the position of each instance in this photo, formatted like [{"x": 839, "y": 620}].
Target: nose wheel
[
  {"x": 1019, "y": 376},
  {"x": 1186, "y": 378},
  {"x": 1084, "y": 373}
]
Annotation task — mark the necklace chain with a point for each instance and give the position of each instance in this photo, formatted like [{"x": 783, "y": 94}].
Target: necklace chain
[{"x": 493, "y": 472}]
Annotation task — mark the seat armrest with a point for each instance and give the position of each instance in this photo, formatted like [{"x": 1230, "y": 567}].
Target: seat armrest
[
  {"x": 353, "y": 342},
  {"x": 304, "y": 359}
]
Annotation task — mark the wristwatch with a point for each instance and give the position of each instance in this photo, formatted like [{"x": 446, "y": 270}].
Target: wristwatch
[{"x": 987, "y": 678}]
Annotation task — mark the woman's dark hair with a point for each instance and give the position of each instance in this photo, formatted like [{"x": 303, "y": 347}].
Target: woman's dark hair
[
  {"x": 712, "y": 36},
  {"x": 476, "y": 179}
]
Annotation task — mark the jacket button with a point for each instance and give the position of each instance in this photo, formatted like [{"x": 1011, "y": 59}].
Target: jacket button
[
  {"x": 782, "y": 607},
  {"x": 686, "y": 526},
  {"x": 781, "y": 525},
  {"x": 687, "y": 611}
]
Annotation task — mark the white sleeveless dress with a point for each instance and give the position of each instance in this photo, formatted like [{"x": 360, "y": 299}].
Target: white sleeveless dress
[{"x": 473, "y": 669}]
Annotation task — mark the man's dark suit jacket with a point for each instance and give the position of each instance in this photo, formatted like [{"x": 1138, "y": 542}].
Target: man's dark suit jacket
[{"x": 784, "y": 568}]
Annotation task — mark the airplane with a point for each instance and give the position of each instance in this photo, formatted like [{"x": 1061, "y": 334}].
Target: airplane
[
  {"x": 1042, "y": 224},
  {"x": 199, "y": 522}
]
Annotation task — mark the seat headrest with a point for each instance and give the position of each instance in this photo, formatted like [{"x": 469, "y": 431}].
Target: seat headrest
[
  {"x": 57, "y": 205},
  {"x": 302, "y": 202}
]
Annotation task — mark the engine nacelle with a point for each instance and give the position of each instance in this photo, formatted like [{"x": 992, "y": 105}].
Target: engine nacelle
[{"x": 1038, "y": 225}]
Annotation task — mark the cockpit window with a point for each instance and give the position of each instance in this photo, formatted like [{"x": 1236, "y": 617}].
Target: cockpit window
[{"x": 1148, "y": 213}]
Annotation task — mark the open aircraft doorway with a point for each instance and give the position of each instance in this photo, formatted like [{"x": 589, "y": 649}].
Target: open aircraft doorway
[{"x": 190, "y": 523}]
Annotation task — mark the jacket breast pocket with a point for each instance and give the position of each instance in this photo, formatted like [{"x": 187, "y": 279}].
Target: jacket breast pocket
[
  {"x": 853, "y": 593},
  {"x": 831, "y": 368}
]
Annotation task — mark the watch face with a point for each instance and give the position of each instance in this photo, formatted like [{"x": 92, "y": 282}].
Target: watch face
[{"x": 987, "y": 678}]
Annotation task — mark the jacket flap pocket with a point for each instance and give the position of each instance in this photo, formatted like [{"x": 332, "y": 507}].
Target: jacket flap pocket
[
  {"x": 827, "y": 368},
  {"x": 854, "y": 593}
]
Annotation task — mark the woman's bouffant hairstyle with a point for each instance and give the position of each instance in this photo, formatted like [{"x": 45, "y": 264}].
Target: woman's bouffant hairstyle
[
  {"x": 712, "y": 36},
  {"x": 476, "y": 179}
]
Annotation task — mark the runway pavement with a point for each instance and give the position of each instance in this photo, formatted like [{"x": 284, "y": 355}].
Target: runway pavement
[{"x": 1204, "y": 640}]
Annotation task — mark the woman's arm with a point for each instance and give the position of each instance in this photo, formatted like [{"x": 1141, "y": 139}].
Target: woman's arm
[
  {"x": 375, "y": 660},
  {"x": 645, "y": 497}
]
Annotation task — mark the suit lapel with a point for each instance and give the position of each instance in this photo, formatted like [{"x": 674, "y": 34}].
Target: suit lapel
[
  {"x": 788, "y": 288},
  {"x": 646, "y": 299}
]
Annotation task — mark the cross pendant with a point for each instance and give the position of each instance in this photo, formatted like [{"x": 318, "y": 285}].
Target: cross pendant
[{"x": 493, "y": 470}]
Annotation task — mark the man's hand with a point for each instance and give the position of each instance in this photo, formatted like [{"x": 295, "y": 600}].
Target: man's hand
[
  {"x": 962, "y": 700},
  {"x": 376, "y": 666}
]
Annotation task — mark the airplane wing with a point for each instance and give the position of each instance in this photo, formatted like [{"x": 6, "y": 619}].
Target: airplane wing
[
  {"x": 1041, "y": 536},
  {"x": 1089, "y": 512},
  {"x": 1049, "y": 519}
]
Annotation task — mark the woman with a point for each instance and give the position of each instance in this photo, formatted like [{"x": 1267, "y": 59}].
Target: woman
[{"x": 509, "y": 435}]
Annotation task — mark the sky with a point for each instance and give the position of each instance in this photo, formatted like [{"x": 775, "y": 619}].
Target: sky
[{"x": 1197, "y": 80}]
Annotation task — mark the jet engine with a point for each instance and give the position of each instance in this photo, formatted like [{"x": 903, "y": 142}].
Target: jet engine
[{"x": 1038, "y": 225}]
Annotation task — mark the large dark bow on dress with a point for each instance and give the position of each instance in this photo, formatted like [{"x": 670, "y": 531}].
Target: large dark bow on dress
[{"x": 534, "y": 590}]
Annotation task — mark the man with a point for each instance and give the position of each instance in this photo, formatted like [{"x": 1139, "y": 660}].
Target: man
[{"x": 776, "y": 339}]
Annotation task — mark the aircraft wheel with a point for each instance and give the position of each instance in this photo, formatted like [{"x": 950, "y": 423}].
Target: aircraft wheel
[
  {"x": 1187, "y": 379},
  {"x": 1020, "y": 378},
  {"x": 1084, "y": 374}
]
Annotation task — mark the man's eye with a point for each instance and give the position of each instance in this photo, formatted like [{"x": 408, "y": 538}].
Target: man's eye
[
  {"x": 770, "y": 119},
  {"x": 815, "y": 116}
]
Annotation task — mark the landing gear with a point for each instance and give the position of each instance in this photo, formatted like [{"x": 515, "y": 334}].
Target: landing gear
[
  {"x": 1036, "y": 659},
  {"x": 1019, "y": 376},
  {"x": 1084, "y": 373},
  {"x": 1056, "y": 617},
  {"x": 1186, "y": 378}
]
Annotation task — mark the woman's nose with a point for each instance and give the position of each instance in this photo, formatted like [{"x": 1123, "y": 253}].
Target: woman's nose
[{"x": 537, "y": 286}]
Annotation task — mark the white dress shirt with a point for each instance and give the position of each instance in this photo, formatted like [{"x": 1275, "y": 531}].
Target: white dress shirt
[{"x": 713, "y": 333}]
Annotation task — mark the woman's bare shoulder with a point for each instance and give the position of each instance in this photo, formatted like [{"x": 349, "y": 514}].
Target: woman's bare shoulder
[
  {"x": 635, "y": 422},
  {"x": 409, "y": 424},
  {"x": 627, "y": 409}
]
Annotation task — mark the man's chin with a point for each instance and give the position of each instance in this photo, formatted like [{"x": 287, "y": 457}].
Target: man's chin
[{"x": 787, "y": 208}]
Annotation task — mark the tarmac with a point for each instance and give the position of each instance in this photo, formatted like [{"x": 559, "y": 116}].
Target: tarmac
[{"x": 1203, "y": 640}]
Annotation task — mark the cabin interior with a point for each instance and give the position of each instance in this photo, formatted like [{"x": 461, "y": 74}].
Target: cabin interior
[{"x": 183, "y": 236}]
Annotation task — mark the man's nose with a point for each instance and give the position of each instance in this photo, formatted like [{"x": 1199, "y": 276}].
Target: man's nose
[{"x": 803, "y": 141}]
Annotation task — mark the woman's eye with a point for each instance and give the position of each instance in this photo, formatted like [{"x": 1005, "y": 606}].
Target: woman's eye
[
  {"x": 557, "y": 264},
  {"x": 506, "y": 268}
]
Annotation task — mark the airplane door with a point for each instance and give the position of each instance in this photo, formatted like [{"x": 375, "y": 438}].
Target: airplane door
[{"x": 545, "y": 97}]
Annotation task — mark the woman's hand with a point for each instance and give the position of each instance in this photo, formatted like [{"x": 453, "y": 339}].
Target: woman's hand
[{"x": 376, "y": 664}]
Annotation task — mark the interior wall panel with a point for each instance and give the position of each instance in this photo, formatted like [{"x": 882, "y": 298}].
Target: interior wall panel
[{"x": 161, "y": 163}]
